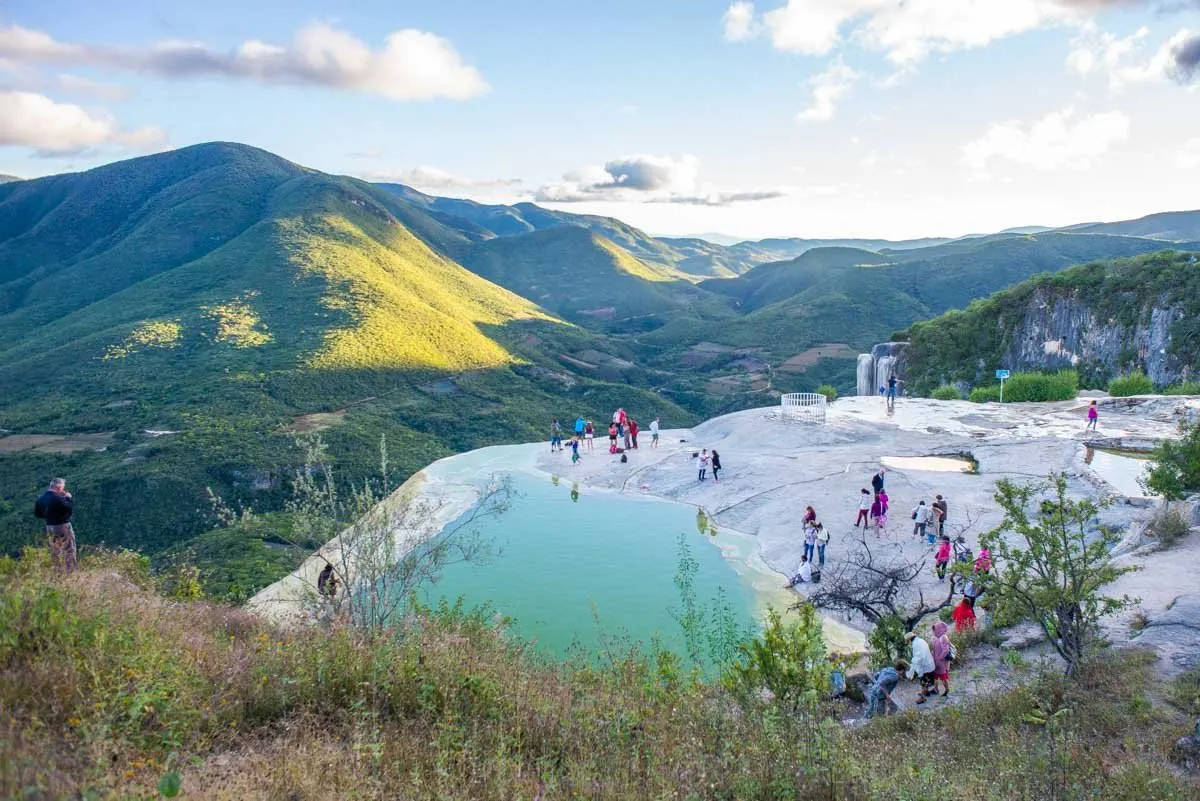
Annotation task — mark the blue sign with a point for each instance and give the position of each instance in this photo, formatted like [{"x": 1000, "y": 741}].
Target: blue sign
[{"x": 1002, "y": 374}]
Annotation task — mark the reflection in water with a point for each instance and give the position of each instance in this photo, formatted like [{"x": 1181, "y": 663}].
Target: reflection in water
[
  {"x": 705, "y": 524},
  {"x": 1124, "y": 470},
  {"x": 554, "y": 480},
  {"x": 575, "y": 491}
]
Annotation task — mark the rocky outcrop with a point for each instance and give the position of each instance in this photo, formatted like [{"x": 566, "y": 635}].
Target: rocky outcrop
[
  {"x": 885, "y": 360},
  {"x": 1059, "y": 332}
]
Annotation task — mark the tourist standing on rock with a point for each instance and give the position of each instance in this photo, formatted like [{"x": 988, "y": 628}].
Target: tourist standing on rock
[
  {"x": 891, "y": 390},
  {"x": 943, "y": 652},
  {"x": 703, "y": 463},
  {"x": 921, "y": 664},
  {"x": 654, "y": 433},
  {"x": 920, "y": 516},
  {"x": 883, "y": 501},
  {"x": 55, "y": 506},
  {"x": 963, "y": 616},
  {"x": 716, "y": 464},
  {"x": 822, "y": 541},
  {"x": 880, "y": 693},
  {"x": 878, "y": 517},
  {"x": 810, "y": 542},
  {"x": 943, "y": 508},
  {"x": 1093, "y": 416},
  {"x": 622, "y": 421},
  {"x": 327, "y": 582},
  {"x": 877, "y": 481},
  {"x": 864, "y": 506},
  {"x": 983, "y": 562},
  {"x": 941, "y": 559},
  {"x": 589, "y": 434},
  {"x": 633, "y": 432},
  {"x": 810, "y": 517},
  {"x": 555, "y": 436},
  {"x": 580, "y": 424},
  {"x": 613, "y": 431},
  {"x": 624, "y": 429}
]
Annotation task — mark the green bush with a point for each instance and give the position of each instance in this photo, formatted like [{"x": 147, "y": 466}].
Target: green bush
[
  {"x": 946, "y": 392},
  {"x": 1176, "y": 471},
  {"x": 1168, "y": 525},
  {"x": 828, "y": 391},
  {"x": 887, "y": 641},
  {"x": 1135, "y": 383},
  {"x": 1029, "y": 387},
  {"x": 1183, "y": 388},
  {"x": 985, "y": 394},
  {"x": 788, "y": 659}
]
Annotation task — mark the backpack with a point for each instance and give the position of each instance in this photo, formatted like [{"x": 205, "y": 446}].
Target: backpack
[
  {"x": 953, "y": 655},
  {"x": 816, "y": 576}
]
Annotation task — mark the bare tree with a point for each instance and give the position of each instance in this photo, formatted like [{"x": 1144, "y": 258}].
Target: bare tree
[
  {"x": 383, "y": 544},
  {"x": 877, "y": 588}
]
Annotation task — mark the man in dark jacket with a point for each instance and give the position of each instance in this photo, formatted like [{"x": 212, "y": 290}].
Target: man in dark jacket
[{"x": 55, "y": 506}]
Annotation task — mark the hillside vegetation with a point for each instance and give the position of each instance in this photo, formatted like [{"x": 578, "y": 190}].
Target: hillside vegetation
[{"x": 109, "y": 690}]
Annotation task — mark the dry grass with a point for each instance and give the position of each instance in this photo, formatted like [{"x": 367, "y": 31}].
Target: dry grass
[{"x": 104, "y": 687}]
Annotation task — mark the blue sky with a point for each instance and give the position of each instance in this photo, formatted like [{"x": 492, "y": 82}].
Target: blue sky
[{"x": 803, "y": 118}]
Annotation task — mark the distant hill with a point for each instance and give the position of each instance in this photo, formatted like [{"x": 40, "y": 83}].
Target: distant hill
[
  {"x": 7, "y": 179},
  {"x": 1175, "y": 226}
]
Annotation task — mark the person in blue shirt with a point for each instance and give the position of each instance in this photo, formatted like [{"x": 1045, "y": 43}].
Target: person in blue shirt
[{"x": 880, "y": 693}]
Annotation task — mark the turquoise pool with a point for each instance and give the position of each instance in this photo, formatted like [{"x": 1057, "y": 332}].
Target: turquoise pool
[{"x": 576, "y": 566}]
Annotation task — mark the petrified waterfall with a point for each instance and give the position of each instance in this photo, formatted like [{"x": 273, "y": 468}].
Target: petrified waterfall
[
  {"x": 874, "y": 368},
  {"x": 866, "y": 374}
]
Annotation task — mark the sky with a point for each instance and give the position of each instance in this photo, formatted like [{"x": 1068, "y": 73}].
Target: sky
[{"x": 812, "y": 118}]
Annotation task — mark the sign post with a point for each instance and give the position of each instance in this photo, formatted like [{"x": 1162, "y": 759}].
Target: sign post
[{"x": 1002, "y": 374}]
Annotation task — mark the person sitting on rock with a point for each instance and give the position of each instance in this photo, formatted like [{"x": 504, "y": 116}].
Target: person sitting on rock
[{"x": 805, "y": 575}]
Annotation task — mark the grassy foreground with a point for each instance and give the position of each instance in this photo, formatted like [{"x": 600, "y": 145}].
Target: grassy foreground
[{"x": 108, "y": 690}]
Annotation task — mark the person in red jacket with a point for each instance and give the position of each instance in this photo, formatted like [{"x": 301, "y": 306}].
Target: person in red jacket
[{"x": 633, "y": 431}]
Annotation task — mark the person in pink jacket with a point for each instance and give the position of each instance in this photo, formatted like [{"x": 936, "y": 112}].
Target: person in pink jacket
[
  {"x": 941, "y": 559},
  {"x": 941, "y": 657}
]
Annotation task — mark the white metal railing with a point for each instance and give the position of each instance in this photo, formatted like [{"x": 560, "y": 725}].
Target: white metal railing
[{"x": 806, "y": 406}]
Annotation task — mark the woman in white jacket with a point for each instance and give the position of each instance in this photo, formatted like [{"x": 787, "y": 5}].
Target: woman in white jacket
[{"x": 921, "y": 664}]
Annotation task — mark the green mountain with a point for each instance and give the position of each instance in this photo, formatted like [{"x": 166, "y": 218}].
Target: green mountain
[
  {"x": 170, "y": 323},
  {"x": 7, "y": 179},
  {"x": 1174, "y": 226},
  {"x": 1101, "y": 319}
]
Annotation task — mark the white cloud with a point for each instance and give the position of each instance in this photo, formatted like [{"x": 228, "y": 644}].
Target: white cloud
[
  {"x": 79, "y": 85},
  {"x": 644, "y": 178},
  {"x": 907, "y": 31},
  {"x": 412, "y": 65},
  {"x": 827, "y": 88},
  {"x": 738, "y": 21},
  {"x": 1057, "y": 140},
  {"x": 53, "y": 128},
  {"x": 1125, "y": 62},
  {"x": 435, "y": 178},
  {"x": 1188, "y": 156}
]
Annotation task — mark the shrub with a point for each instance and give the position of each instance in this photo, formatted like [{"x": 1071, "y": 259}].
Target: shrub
[
  {"x": 1037, "y": 387},
  {"x": 1168, "y": 525},
  {"x": 985, "y": 394},
  {"x": 1183, "y": 388},
  {"x": 1135, "y": 383},
  {"x": 788, "y": 659},
  {"x": 828, "y": 391},
  {"x": 946, "y": 392},
  {"x": 887, "y": 641},
  {"x": 1176, "y": 471}
]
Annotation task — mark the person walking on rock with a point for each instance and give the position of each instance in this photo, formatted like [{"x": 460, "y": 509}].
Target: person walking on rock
[
  {"x": 883, "y": 501},
  {"x": 555, "y": 436},
  {"x": 654, "y": 433},
  {"x": 921, "y": 664},
  {"x": 633, "y": 432},
  {"x": 943, "y": 653},
  {"x": 963, "y": 616},
  {"x": 941, "y": 559},
  {"x": 891, "y": 391},
  {"x": 1093, "y": 416},
  {"x": 920, "y": 516},
  {"x": 55, "y": 506},
  {"x": 613, "y": 431},
  {"x": 589, "y": 434},
  {"x": 864, "y": 506},
  {"x": 878, "y": 517},
  {"x": 877, "y": 481},
  {"x": 943, "y": 508},
  {"x": 703, "y": 463},
  {"x": 716, "y": 464}
]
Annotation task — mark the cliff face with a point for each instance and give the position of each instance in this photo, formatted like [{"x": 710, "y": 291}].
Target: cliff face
[
  {"x": 1101, "y": 319},
  {"x": 885, "y": 360},
  {"x": 1058, "y": 332}
]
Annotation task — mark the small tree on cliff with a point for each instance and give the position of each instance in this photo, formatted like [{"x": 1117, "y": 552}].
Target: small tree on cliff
[
  {"x": 1051, "y": 565},
  {"x": 1176, "y": 471}
]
